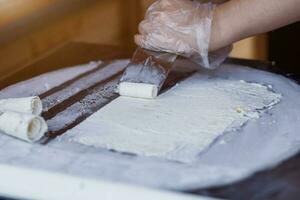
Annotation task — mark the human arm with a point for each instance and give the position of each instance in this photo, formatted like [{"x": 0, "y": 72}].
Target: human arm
[
  {"x": 193, "y": 29},
  {"x": 239, "y": 19}
]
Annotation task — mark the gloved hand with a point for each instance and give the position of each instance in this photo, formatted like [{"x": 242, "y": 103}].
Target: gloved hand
[{"x": 182, "y": 27}]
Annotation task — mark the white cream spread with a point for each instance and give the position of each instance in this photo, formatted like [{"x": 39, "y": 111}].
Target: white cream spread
[{"x": 180, "y": 123}]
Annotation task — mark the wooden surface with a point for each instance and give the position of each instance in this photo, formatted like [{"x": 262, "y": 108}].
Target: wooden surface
[
  {"x": 280, "y": 183},
  {"x": 28, "y": 32},
  {"x": 70, "y": 54},
  {"x": 252, "y": 48}
]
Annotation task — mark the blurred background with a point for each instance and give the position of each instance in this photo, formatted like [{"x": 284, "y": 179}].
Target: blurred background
[{"x": 31, "y": 29}]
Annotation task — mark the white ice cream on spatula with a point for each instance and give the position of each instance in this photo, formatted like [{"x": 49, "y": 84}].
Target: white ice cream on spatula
[{"x": 146, "y": 74}]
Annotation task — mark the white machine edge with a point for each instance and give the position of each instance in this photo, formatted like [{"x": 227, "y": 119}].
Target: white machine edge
[{"x": 21, "y": 182}]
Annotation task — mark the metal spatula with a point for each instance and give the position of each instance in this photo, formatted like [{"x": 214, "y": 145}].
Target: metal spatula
[{"x": 146, "y": 73}]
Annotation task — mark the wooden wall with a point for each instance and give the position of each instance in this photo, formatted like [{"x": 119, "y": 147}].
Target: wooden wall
[{"x": 30, "y": 29}]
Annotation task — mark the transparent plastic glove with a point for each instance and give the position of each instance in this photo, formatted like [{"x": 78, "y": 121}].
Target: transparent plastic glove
[{"x": 181, "y": 27}]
